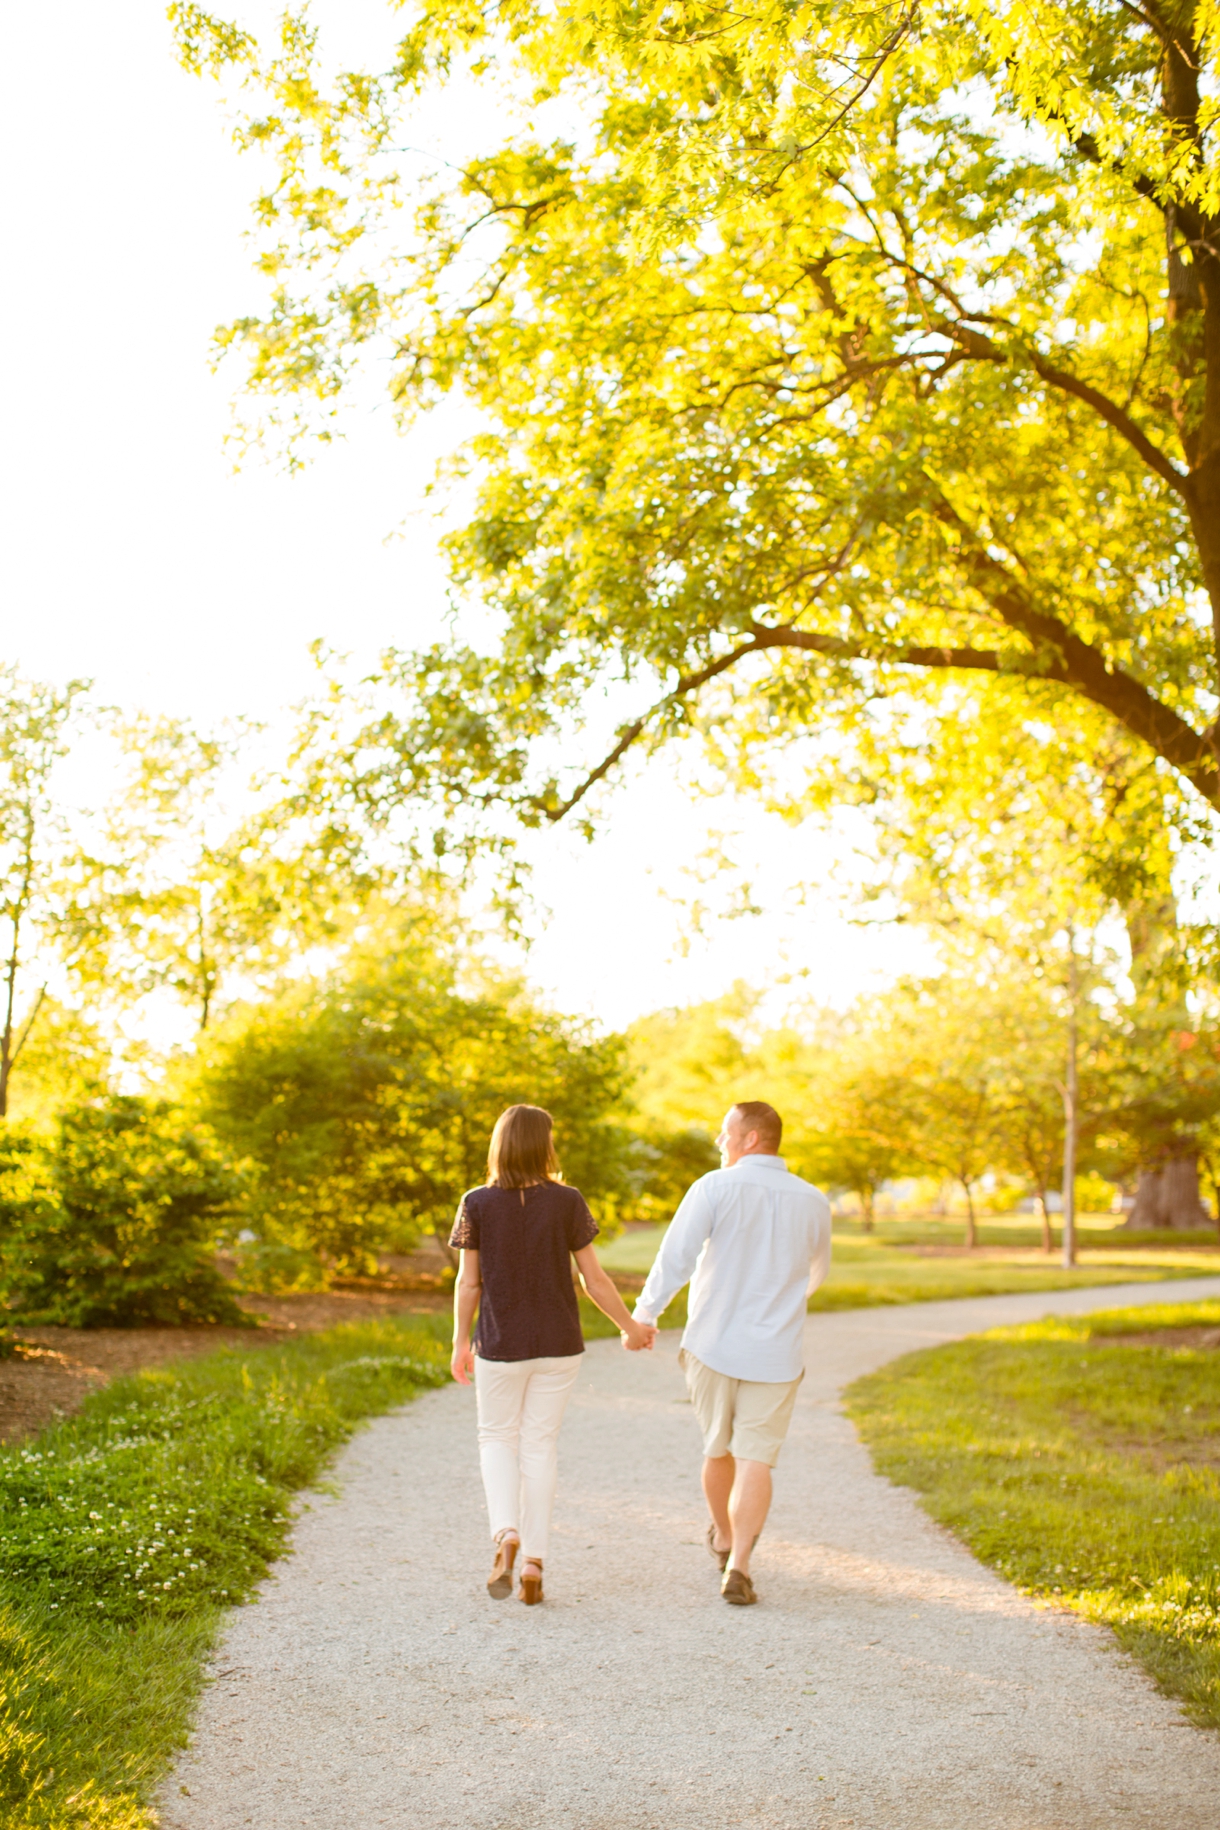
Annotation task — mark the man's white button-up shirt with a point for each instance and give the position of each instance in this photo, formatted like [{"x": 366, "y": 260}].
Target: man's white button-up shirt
[{"x": 753, "y": 1241}]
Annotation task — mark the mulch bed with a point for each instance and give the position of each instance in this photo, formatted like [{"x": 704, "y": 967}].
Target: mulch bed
[
  {"x": 55, "y": 1369},
  {"x": 1199, "y": 1336}
]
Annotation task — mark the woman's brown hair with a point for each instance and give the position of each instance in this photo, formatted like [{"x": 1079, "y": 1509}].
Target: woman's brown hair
[{"x": 522, "y": 1149}]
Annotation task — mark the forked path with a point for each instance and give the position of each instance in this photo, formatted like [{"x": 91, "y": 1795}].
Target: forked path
[{"x": 886, "y": 1682}]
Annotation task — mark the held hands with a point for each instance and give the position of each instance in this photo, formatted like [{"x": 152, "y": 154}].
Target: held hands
[
  {"x": 461, "y": 1362},
  {"x": 638, "y": 1336}
]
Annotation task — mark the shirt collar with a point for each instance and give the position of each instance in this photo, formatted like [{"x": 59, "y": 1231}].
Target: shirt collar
[{"x": 766, "y": 1162}]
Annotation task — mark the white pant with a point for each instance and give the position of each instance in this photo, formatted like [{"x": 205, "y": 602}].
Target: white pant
[{"x": 521, "y": 1405}]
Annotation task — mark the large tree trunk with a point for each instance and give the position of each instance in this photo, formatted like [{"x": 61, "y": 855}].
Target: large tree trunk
[{"x": 1169, "y": 1196}]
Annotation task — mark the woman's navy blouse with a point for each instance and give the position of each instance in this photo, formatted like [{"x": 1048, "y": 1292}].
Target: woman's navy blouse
[{"x": 525, "y": 1238}]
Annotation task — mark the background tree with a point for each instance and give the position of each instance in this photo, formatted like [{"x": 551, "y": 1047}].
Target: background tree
[
  {"x": 202, "y": 878},
  {"x": 1031, "y": 1114},
  {"x": 690, "y": 1065},
  {"x": 34, "y": 728},
  {"x": 68, "y": 1059},
  {"x": 859, "y": 1128},
  {"x": 954, "y": 1059},
  {"x": 362, "y": 1103},
  {"x": 1041, "y": 852},
  {"x": 1164, "y": 1097}
]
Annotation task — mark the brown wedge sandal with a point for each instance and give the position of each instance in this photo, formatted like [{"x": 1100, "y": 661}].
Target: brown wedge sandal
[
  {"x": 531, "y": 1582},
  {"x": 500, "y": 1582}
]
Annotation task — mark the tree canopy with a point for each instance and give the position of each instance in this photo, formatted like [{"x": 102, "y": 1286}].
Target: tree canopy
[{"x": 819, "y": 354}]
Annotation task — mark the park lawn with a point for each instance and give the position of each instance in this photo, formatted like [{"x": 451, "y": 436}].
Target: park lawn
[
  {"x": 869, "y": 1270},
  {"x": 865, "y": 1274},
  {"x": 1083, "y": 1466},
  {"x": 125, "y": 1533}
]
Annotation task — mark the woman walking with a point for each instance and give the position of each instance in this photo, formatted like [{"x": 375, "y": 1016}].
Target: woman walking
[{"x": 517, "y": 1237}]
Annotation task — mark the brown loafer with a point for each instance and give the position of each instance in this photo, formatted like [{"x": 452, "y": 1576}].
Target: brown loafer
[
  {"x": 721, "y": 1556},
  {"x": 738, "y": 1588},
  {"x": 531, "y": 1582},
  {"x": 500, "y": 1582}
]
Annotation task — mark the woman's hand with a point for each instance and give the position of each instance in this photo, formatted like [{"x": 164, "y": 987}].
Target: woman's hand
[
  {"x": 638, "y": 1336},
  {"x": 461, "y": 1362}
]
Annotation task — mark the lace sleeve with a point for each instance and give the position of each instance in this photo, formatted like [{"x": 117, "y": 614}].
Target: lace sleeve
[
  {"x": 465, "y": 1234},
  {"x": 582, "y": 1227}
]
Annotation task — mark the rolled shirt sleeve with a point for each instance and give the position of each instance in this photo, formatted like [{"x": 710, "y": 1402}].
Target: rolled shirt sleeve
[{"x": 674, "y": 1265}]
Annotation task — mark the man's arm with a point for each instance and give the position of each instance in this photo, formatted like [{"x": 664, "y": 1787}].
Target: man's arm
[{"x": 679, "y": 1254}]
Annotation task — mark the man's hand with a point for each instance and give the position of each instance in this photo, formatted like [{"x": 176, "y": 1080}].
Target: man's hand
[
  {"x": 639, "y": 1336},
  {"x": 461, "y": 1362}
]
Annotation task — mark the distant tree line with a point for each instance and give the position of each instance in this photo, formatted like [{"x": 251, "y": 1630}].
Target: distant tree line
[{"x": 954, "y": 1081}]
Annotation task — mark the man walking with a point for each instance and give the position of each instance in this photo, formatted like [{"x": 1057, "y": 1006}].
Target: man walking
[{"x": 753, "y": 1240}]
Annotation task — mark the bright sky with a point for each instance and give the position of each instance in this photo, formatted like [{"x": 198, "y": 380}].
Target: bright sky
[{"x": 135, "y": 556}]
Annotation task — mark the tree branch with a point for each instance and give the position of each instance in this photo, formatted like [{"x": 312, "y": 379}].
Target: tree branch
[
  {"x": 1085, "y": 145},
  {"x": 1115, "y": 416},
  {"x": 985, "y": 349},
  {"x": 1061, "y": 655},
  {"x": 1057, "y": 655},
  {"x": 26, "y": 1027},
  {"x": 628, "y": 733}
]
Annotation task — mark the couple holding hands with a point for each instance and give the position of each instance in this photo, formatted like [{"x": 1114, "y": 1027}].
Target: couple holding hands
[{"x": 752, "y": 1240}]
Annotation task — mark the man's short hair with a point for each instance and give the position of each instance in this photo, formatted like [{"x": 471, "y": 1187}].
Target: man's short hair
[{"x": 757, "y": 1115}]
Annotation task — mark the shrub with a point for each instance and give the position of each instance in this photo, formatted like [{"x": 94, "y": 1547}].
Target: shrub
[
  {"x": 666, "y": 1163},
  {"x": 111, "y": 1220},
  {"x": 362, "y": 1105}
]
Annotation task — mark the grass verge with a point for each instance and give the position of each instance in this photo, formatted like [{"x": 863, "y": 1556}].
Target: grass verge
[
  {"x": 876, "y": 1278},
  {"x": 1082, "y": 1466},
  {"x": 127, "y": 1531}
]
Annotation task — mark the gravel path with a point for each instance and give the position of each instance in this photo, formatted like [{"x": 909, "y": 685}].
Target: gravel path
[{"x": 888, "y": 1681}]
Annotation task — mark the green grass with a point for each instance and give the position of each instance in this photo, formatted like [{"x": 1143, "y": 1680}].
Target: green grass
[
  {"x": 886, "y": 1266},
  {"x": 127, "y": 1531},
  {"x": 1083, "y": 1470}
]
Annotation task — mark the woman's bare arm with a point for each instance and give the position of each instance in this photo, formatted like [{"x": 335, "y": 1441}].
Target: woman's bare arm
[
  {"x": 600, "y": 1290},
  {"x": 466, "y": 1293}
]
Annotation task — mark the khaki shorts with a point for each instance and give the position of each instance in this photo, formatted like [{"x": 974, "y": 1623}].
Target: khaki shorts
[{"x": 747, "y": 1418}]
